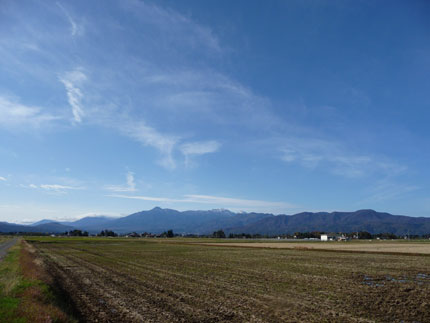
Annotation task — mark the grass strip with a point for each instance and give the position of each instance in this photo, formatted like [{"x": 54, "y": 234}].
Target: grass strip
[
  {"x": 10, "y": 282},
  {"x": 25, "y": 295}
]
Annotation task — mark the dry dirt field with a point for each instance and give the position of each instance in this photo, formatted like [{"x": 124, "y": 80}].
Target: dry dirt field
[
  {"x": 373, "y": 246},
  {"x": 118, "y": 280}
]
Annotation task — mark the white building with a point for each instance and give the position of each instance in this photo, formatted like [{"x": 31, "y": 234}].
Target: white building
[{"x": 333, "y": 237}]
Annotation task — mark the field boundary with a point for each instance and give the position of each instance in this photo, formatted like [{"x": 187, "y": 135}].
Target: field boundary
[{"x": 26, "y": 291}]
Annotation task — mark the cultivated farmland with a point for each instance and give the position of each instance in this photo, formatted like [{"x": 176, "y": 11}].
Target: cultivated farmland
[
  {"x": 395, "y": 247},
  {"x": 112, "y": 280}
]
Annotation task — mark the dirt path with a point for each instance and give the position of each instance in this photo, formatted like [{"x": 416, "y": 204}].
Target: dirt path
[{"x": 4, "y": 247}]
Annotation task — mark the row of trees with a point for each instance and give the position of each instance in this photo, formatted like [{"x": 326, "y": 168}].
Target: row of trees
[
  {"x": 110, "y": 233},
  {"x": 317, "y": 235},
  {"x": 80, "y": 233},
  {"x": 76, "y": 233},
  {"x": 221, "y": 234},
  {"x": 169, "y": 234},
  {"x": 107, "y": 233}
]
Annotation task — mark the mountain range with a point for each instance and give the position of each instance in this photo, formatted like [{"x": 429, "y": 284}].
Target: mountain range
[{"x": 158, "y": 220}]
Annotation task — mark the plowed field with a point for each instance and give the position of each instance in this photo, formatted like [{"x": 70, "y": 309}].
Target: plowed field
[
  {"x": 372, "y": 246},
  {"x": 114, "y": 280}
]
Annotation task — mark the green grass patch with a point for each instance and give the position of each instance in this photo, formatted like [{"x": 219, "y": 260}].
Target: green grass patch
[
  {"x": 10, "y": 280},
  {"x": 8, "y": 309},
  {"x": 24, "y": 298}
]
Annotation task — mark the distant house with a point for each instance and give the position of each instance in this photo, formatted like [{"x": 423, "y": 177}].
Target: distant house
[
  {"x": 342, "y": 238},
  {"x": 325, "y": 237},
  {"x": 333, "y": 237}
]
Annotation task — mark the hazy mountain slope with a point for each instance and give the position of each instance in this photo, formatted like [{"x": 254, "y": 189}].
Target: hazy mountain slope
[
  {"x": 44, "y": 221},
  {"x": 51, "y": 227},
  {"x": 235, "y": 220},
  {"x": 90, "y": 221},
  {"x": 362, "y": 220},
  {"x": 158, "y": 220}
]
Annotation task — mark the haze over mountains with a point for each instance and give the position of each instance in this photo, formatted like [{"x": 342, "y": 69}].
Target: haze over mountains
[{"x": 158, "y": 220}]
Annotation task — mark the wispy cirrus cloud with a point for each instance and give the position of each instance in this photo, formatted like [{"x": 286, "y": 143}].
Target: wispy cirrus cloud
[
  {"x": 75, "y": 28},
  {"x": 27, "y": 213},
  {"x": 147, "y": 198},
  {"x": 134, "y": 86},
  {"x": 211, "y": 98},
  {"x": 58, "y": 187},
  {"x": 190, "y": 149},
  {"x": 332, "y": 155},
  {"x": 149, "y": 136},
  {"x": 216, "y": 201},
  {"x": 15, "y": 115},
  {"x": 149, "y": 90},
  {"x": 72, "y": 81},
  {"x": 3, "y": 178},
  {"x": 129, "y": 187},
  {"x": 220, "y": 200},
  {"x": 200, "y": 147},
  {"x": 388, "y": 189},
  {"x": 53, "y": 188},
  {"x": 173, "y": 24}
]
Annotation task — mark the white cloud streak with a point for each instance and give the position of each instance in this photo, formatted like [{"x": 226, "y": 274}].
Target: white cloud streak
[
  {"x": 190, "y": 149},
  {"x": 75, "y": 29},
  {"x": 2, "y": 178},
  {"x": 14, "y": 114},
  {"x": 58, "y": 187},
  {"x": 130, "y": 89},
  {"x": 312, "y": 153},
  {"x": 200, "y": 147},
  {"x": 129, "y": 187},
  {"x": 28, "y": 213},
  {"x": 148, "y": 136},
  {"x": 54, "y": 188},
  {"x": 224, "y": 202},
  {"x": 210, "y": 98},
  {"x": 386, "y": 189},
  {"x": 72, "y": 80},
  {"x": 148, "y": 198},
  {"x": 172, "y": 23},
  {"x": 208, "y": 199}
]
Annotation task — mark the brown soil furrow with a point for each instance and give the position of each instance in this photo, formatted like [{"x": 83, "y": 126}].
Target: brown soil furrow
[
  {"x": 152, "y": 288},
  {"x": 95, "y": 300},
  {"x": 134, "y": 293},
  {"x": 161, "y": 294},
  {"x": 116, "y": 280},
  {"x": 258, "y": 301}
]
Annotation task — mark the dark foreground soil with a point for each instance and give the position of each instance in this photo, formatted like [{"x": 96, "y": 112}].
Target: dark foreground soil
[{"x": 139, "y": 281}]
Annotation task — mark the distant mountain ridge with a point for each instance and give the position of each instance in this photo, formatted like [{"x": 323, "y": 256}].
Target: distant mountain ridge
[
  {"x": 361, "y": 220},
  {"x": 46, "y": 227},
  {"x": 158, "y": 220}
]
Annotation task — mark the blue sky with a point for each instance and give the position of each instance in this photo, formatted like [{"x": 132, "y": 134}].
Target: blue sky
[{"x": 112, "y": 107}]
